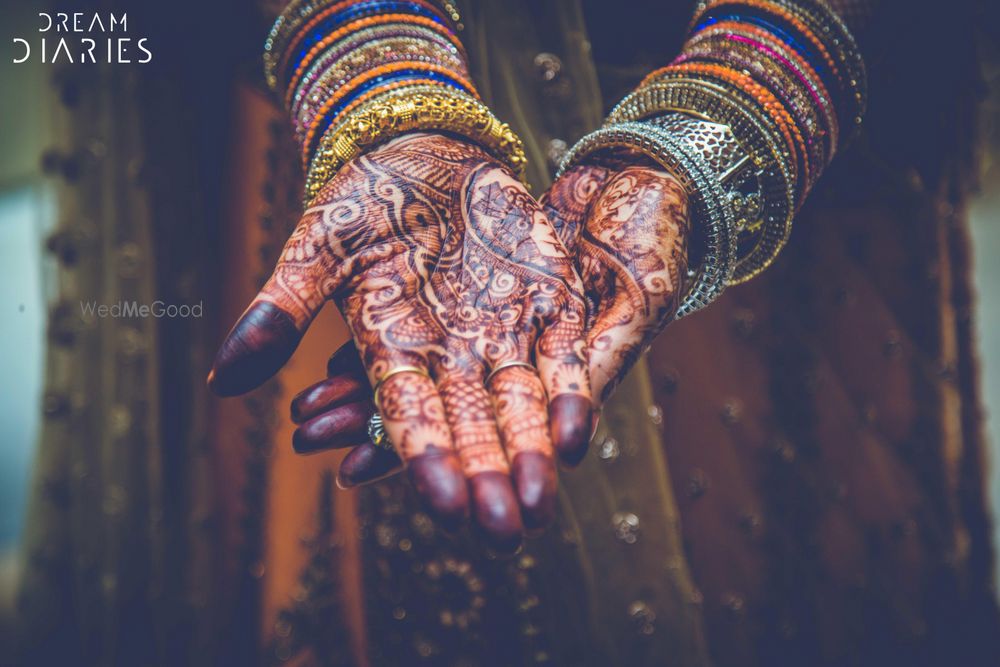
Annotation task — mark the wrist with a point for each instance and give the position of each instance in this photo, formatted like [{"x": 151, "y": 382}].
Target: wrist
[
  {"x": 712, "y": 246},
  {"x": 356, "y": 73},
  {"x": 417, "y": 109}
]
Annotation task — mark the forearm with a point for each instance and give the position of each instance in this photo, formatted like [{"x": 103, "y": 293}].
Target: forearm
[
  {"x": 747, "y": 117},
  {"x": 356, "y": 73}
]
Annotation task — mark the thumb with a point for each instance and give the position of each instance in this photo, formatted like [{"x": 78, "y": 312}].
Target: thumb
[
  {"x": 633, "y": 258},
  {"x": 566, "y": 201},
  {"x": 255, "y": 349},
  {"x": 269, "y": 330}
]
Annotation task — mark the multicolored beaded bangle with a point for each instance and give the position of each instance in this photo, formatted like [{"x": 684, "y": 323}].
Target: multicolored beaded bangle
[
  {"x": 387, "y": 52},
  {"x": 409, "y": 110},
  {"x": 301, "y": 84},
  {"x": 828, "y": 23},
  {"x": 744, "y": 84},
  {"x": 375, "y": 77},
  {"x": 297, "y": 12},
  {"x": 720, "y": 50},
  {"x": 773, "y": 48},
  {"x": 331, "y": 18},
  {"x": 294, "y": 13},
  {"x": 814, "y": 32},
  {"x": 778, "y": 20},
  {"x": 777, "y": 81},
  {"x": 384, "y": 19}
]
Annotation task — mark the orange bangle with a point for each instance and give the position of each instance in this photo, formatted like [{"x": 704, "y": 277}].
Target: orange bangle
[
  {"x": 375, "y": 72},
  {"x": 794, "y": 56},
  {"x": 351, "y": 45},
  {"x": 360, "y": 24},
  {"x": 303, "y": 30},
  {"x": 787, "y": 16},
  {"x": 765, "y": 98}
]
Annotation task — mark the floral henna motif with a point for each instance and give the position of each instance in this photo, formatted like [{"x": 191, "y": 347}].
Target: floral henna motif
[
  {"x": 628, "y": 232},
  {"x": 633, "y": 251},
  {"x": 439, "y": 260}
]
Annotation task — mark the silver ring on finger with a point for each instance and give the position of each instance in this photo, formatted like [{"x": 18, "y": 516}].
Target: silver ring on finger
[{"x": 377, "y": 434}]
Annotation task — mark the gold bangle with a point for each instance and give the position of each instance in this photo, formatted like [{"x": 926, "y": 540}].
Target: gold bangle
[{"x": 406, "y": 110}]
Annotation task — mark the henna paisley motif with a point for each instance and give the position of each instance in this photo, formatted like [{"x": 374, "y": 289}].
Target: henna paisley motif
[
  {"x": 627, "y": 231},
  {"x": 439, "y": 260},
  {"x": 631, "y": 251}
]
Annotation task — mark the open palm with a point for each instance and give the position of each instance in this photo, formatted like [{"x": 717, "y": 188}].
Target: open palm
[
  {"x": 445, "y": 269},
  {"x": 627, "y": 229}
]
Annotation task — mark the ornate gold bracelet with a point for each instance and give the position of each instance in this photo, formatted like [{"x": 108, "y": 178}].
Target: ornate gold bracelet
[{"x": 407, "y": 110}]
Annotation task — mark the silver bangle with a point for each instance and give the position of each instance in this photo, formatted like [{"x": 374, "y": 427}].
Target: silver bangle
[
  {"x": 730, "y": 162},
  {"x": 709, "y": 205},
  {"x": 759, "y": 243}
]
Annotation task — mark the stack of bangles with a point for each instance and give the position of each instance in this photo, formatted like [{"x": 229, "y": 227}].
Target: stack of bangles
[
  {"x": 747, "y": 117},
  {"x": 357, "y": 73}
]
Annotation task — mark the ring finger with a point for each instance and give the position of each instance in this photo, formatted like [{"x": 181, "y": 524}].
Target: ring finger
[{"x": 522, "y": 417}]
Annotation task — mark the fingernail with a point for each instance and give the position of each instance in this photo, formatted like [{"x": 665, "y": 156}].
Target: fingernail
[
  {"x": 535, "y": 477},
  {"x": 260, "y": 344},
  {"x": 570, "y": 418},
  {"x": 366, "y": 463},
  {"x": 344, "y": 426},
  {"x": 341, "y": 357},
  {"x": 438, "y": 479},
  {"x": 498, "y": 518},
  {"x": 327, "y": 395}
]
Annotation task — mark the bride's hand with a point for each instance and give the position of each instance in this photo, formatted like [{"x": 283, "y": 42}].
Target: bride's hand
[
  {"x": 445, "y": 270},
  {"x": 628, "y": 232}
]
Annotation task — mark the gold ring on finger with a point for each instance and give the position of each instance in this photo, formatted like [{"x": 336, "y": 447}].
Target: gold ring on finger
[
  {"x": 395, "y": 371},
  {"x": 506, "y": 364}
]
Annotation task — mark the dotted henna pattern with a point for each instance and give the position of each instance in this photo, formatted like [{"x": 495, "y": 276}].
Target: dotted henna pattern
[
  {"x": 440, "y": 260},
  {"x": 629, "y": 233}
]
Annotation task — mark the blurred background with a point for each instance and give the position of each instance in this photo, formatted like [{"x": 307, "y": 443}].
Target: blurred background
[{"x": 92, "y": 207}]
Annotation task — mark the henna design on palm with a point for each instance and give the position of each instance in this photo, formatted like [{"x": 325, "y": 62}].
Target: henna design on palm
[
  {"x": 438, "y": 260},
  {"x": 627, "y": 230}
]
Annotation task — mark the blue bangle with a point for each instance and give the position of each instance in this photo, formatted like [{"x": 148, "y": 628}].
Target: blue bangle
[
  {"x": 360, "y": 10},
  {"x": 786, "y": 35}
]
